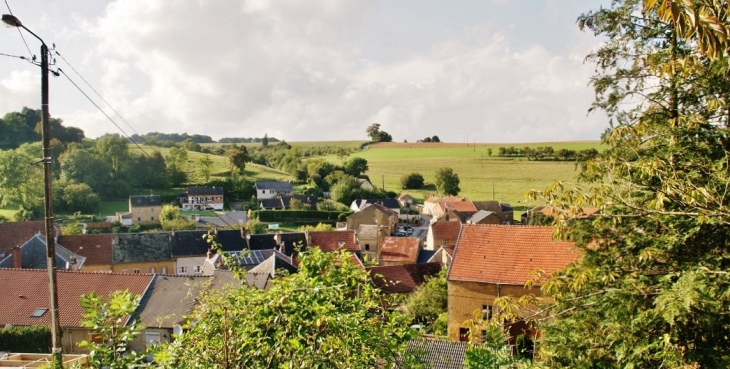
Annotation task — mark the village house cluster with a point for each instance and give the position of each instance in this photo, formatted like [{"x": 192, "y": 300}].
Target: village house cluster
[{"x": 486, "y": 255}]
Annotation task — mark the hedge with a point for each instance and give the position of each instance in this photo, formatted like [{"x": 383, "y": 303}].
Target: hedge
[
  {"x": 27, "y": 339},
  {"x": 290, "y": 216}
]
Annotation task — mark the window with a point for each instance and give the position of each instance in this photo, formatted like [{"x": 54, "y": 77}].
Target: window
[
  {"x": 153, "y": 219},
  {"x": 135, "y": 270},
  {"x": 164, "y": 270},
  {"x": 139, "y": 219},
  {"x": 487, "y": 311},
  {"x": 198, "y": 269},
  {"x": 367, "y": 247},
  {"x": 152, "y": 210},
  {"x": 152, "y": 338},
  {"x": 38, "y": 313},
  {"x": 463, "y": 334},
  {"x": 182, "y": 270},
  {"x": 153, "y": 270}
]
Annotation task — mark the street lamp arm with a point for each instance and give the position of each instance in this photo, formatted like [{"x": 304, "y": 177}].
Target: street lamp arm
[{"x": 13, "y": 21}]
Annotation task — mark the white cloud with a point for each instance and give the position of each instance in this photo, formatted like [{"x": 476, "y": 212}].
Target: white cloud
[{"x": 308, "y": 71}]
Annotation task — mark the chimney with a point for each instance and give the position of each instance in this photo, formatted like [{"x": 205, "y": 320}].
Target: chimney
[
  {"x": 17, "y": 258},
  {"x": 208, "y": 255}
]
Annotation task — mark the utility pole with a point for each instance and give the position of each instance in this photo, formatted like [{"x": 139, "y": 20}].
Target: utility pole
[
  {"x": 56, "y": 348},
  {"x": 383, "y": 186}
]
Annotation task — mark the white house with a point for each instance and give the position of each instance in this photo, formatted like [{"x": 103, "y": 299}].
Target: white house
[{"x": 273, "y": 189}]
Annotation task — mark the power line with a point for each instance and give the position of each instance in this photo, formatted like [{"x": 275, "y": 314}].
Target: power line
[
  {"x": 20, "y": 33},
  {"x": 97, "y": 94},
  {"x": 102, "y": 111}
]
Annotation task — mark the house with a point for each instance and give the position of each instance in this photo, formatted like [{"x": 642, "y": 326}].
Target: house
[
  {"x": 275, "y": 265},
  {"x": 32, "y": 255},
  {"x": 455, "y": 204},
  {"x": 402, "y": 279},
  {"x": 443, "y": 232},
  {"x": 203, "y": 198},
  {"x": 25, "y": 298},
  {"x": 405, "y": 200},
  {"x": 369, "y": 239},
  {"x": 95, "y": 248},
  {"x": 14, "y": 234},
  {"x": 142, "y": 253},
  {"x": 360, "y": 204},
  {"x": 374, "y": 214},
  {"x": 189, "y": 249},
  {"x": 430, "y": 204},
  {"x": 496, "y": 260},
  {"x": 484, "y": 217},
  {"x": 284, "y": 202},
  {"x": 169, "y": 299},
  {"x": 365, "y": 184},
  {"x": 145, "y": 209},
  {"x": 333, "y": 240},
  {"x": 443, "y": 255},
  {"x": 570, "y": 212},
  {"x": 272, "y": 189},
  {"x": 399, "y": 251}
]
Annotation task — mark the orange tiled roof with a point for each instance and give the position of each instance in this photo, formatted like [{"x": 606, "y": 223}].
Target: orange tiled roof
[
  {"x": 506, "y": 254},
  {"x": 462, "y": 207},
  {"x": 446, "y": 230},
  {"x": 17, "y": 233},
  {"x": 400, "y": 249},
  {"x": 330, "y": 240},
  {"x": 96, "y": 248},
  {"x": 25, "y": 290}
]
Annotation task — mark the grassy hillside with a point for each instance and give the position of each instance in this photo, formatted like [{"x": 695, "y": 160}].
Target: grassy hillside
[{"x": 482, "y": 177}]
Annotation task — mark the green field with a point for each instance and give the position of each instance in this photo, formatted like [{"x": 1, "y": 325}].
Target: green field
[
  {"x": 482, "y": 177},
  {"x": 8, "y": 212}
]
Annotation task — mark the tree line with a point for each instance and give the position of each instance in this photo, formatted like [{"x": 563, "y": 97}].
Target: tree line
[{"x": 547, "y": 153}]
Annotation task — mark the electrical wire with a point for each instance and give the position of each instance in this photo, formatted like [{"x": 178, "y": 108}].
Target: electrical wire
[
  {"x": 97, "y": 94},
  {"x": 102, "y": 111},
  {"x": 20, "y": 33}
]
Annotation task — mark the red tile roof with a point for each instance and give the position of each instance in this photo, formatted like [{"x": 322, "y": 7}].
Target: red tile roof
[
  {"x": 25, "y": 290},
  {"x": 466, "y": 207},
  {"x": 446, "y": 230},
  {"x": 330, "y": 240},
  {"x": 506, "y": 254},
  {"x": 17, "y": 233},
  {"x": 402, "y": 278},
  {"x": 96, "y": 248},
  {"x": 400, "y": 249}
]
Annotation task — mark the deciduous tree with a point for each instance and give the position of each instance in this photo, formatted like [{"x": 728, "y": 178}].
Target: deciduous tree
[{"x": 447, "y": 181}]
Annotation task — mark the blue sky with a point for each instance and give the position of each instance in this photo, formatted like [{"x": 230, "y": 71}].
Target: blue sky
[{"x": 489, "y": 70}]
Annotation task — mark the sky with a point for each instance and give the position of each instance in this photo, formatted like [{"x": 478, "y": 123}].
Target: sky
[{"x": 486, "y": 71}]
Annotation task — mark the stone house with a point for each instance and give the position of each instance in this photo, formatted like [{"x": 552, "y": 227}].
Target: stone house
[
  {"x": 491, "y": 261},
  {"x": 145, "y": 209}
]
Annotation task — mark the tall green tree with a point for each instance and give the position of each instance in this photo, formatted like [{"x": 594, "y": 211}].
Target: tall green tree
[
  {"x": 429, "y": 300},
  {"x": 115, "y": 150},
  {"x": 205, "y": 167},
  {"x": 327, "y": 315},
  {"x": 651, "y": 288},
  {"x": 20, "y": 181},
  {"x": 447, "y": 181},
  {"x": 356, "y": 166},
  {"x": 238, "y": 158}
]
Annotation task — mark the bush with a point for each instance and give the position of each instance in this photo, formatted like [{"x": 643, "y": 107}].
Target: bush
[
  {"x": 33, "y": 339},
  {"x": 411, "y": 181}
]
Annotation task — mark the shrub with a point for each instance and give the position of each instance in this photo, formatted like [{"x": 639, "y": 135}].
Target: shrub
[{"x": 411, "y": 181}]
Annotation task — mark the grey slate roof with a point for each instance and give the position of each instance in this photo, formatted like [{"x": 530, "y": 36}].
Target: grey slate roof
[
  {"x": 226, "y": 219},
  {"x": 305, "y": 199},
  {"x": 479, "y": 216},
  {"x": 274, "y": 185},
  {"x": 141, "y": 247},
  {"x": 291, "y": 241},
  {"x": 388, "y": 203},
  {"x": 202, "y": 191},
  {"x": 33, "y": 256},
  {"x": 145, "y": 201},
  {"x": 274, "y": 203},
  {"x": 190, "y": 243},
  {"x": 438, "y": 354},
  {"x": 425, "y": 255}
]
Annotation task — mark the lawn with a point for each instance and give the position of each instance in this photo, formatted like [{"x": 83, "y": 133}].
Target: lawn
[
  {"x": 8, "y": 212},
  {"x": 113, "y": 207}
]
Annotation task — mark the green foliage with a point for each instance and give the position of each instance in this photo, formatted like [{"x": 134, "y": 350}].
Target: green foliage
[
  {"x": 30, "y": 339},
  {"x": 172, "y": 219},
  {"x": 80, "y": 197},
  {"x": 205, "y": 167},
  {"x": 107, "y": 319},
  {"x": 238, "y": 158},
  {"x": 356, "y": 166},
  {"x": 538, "y": 218},
  {"x": 327, "y": 315},
  {"x": 411, "y": 181},
  {"x": 376, "y": 135},
  {"x": 447, "y": 181},
  {"x": 341, "y": 192},
  {"x": 429, "y": 301},
  {"x": 651, "y": 289},
  {"x": 19, "y": 181}
]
